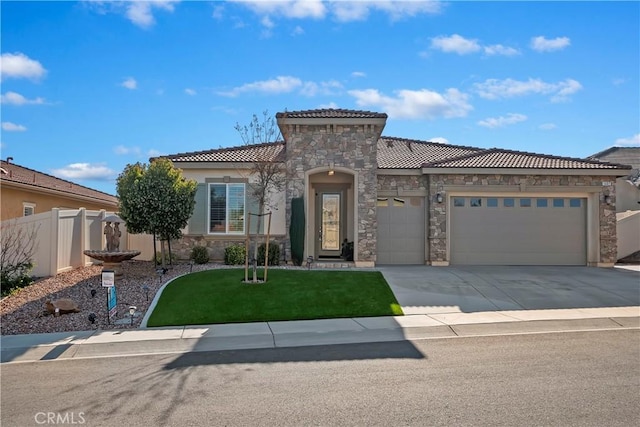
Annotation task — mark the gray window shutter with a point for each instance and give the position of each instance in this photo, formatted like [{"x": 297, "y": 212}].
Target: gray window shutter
[{"x": 197, "y": 222}]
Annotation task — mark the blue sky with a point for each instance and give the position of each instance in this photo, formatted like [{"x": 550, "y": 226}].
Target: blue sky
[{"x": 88, "y": 87}]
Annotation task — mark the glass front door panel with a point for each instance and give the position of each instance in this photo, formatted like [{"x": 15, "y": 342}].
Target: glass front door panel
[{"x": 330, "y": 240}]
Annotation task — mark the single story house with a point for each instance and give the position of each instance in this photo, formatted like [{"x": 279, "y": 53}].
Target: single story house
[
  {"x": 403, "y": 201},
  {"x": 25, "y": 192},
  {"x": 628, "y": 186}
]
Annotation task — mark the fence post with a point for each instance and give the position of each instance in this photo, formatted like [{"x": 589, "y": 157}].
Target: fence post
[{"x": 55, "y": 241}]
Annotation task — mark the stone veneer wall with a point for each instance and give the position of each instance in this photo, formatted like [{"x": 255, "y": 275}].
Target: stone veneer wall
[
  {"x": 402, "y": 183},
  {"x": 437, "y": 227},
  {"x": 353, "y": 147},
  {"x": 216, "y": 246}
]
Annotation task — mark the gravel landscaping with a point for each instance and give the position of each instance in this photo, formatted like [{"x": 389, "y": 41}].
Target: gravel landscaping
[{"x": 24, "y": 313}]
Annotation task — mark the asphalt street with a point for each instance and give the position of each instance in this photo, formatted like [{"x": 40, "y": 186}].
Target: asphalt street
[{"x": 588, "y": 378}]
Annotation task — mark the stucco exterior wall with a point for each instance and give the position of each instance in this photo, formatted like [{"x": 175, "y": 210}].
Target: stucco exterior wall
[{"x": 602, "y": 219}]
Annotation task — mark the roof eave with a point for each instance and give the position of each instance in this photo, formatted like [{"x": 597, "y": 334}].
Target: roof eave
[
  {"x": 56, "y": 192},
  {"x": 524, "y": 171}
]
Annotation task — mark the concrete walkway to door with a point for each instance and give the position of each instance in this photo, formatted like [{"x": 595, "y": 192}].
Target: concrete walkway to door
[{"x": 505, "y": 290}]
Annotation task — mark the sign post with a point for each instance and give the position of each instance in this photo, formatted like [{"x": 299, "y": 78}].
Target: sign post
[{"x": 108, "y": 281}]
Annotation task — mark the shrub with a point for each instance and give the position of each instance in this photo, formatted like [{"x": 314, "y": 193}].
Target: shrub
[
  {"x": 274, "y": 253},
  {"x": 11, "y": 283},
  {"x": 199, "y": 255},
  {"x": 234, "y": 254},
  {"x": 170, "y": 257}
]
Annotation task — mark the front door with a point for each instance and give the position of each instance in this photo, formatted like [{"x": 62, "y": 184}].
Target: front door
[{"x": 329, "y": 224}]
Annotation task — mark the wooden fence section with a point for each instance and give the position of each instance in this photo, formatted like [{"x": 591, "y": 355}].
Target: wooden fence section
[{"x": 62, "y": 236}]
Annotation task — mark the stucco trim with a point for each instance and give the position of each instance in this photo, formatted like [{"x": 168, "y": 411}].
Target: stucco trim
[{"x": 403, "y": 172}]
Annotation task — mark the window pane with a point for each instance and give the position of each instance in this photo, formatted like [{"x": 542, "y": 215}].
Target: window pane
[
  {"x": 558, "y": 203},
  {"x": 382, "y": 202},
  {"x": 218, "y": 208},
  {"x": 398, "y": 202},
  {"x": 235, "y": 207},
  {"x": 541, "y": 203},
  {"x": 492, "y": 203},
  {"x": 575, "y": 203},
  {"x": 508, "y": 203},
  {"x": 475, "y": 202},
  {"x": 525, "y": 203},
  {"x": 458, "y": 202}
]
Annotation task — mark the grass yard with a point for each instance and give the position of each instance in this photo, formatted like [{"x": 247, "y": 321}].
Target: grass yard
[{"x": 220, "y": 296}]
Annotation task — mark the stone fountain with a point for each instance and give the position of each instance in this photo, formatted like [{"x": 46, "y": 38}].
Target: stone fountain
[{"x": 112, "y": 256}]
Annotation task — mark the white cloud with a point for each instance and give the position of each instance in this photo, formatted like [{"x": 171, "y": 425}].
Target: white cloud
[
  {"x": 498, "y": 49},
  {"x": 297, "y": 31},
  {"x": 129, "y": 83},
  {"x": 84, "y": 171},
  {"x": 358, "y": 74},
  {"x": 13, "y": 98},
  {"x": 416, "y": 104},
  {"x": 140, "y": 13},
  {"x": 618, "y": 81},
  {"x": 323, "y": 88},
  {"x": 329, "y": 105},
  {"x": 12, "y": 127},
  {"x": 497, "y": 122},
  {"x": 632, "y": 141},
  {"x": 542, "y": 44},
  {"x": 153, "y": 153},
  {"x": 190, "y": 91},
  {"x": 439, "y": 140},
  {"x": 464, "y": 46},
  {"x": 455, "y": 44},
  {"x": 121, "y": 150},
  {"x": 509, "y": 88},
  {"x": 547, "y": 126},
  {"x": 18, "y": 65},
  {"x": 341, "y": 11},
  {"x": 218, "y": 12},
  {"x": 281, "y": 84}
]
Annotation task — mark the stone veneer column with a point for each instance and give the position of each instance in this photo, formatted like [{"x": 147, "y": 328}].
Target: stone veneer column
[{"x": 350, "y": 143}]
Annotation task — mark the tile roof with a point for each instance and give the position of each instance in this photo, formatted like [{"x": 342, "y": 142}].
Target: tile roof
[
  {"x": 624, "y": 155},
  {"x": 499, "y": 158},
  {"x": 400, "y": 153},
  {"x": 14, "y": 173},
  {"x": 331, "y": 113},
  {"x": 245, "y": 153}
]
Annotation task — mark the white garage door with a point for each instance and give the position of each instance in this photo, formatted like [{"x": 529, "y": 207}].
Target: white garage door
[
  {"x": 518, "y": 230},
  {"x": 401, "y": 237}
]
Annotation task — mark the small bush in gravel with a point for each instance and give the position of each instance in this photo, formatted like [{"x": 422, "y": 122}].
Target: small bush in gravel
[
  {"x": 199, "y": 255},
  {"x": 234, "y": 255}
]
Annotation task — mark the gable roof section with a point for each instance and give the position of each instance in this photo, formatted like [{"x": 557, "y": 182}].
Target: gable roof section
[
  {"x": 508, "y": 159},
  {"x": 401, "y": 153},
  {"x": 331, "y": 113},
  {"x": 247, "y": 153},
  {"x": 13, "y": 173}
]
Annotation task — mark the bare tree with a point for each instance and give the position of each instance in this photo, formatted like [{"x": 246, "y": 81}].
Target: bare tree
[{"x": 267, "y": 171}]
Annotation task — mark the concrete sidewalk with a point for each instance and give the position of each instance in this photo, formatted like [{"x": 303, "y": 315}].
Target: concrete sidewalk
[{"x": 176, "y": 340}]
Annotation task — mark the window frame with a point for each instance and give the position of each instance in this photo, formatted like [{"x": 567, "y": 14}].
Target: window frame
[{"x": 227, "y": 209}]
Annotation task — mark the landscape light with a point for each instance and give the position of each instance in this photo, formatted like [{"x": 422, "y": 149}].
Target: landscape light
[{"x": 132, "y": 311}]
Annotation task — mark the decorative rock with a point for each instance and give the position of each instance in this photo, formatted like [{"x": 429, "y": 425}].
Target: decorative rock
[{"x": 61, "y": 306}]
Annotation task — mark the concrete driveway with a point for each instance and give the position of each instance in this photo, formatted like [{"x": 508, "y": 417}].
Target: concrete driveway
[{"x": 432, "y": 290}]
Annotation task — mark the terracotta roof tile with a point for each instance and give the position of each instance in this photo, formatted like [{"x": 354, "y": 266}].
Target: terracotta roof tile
[
  {"x": 331, "y": 113},
  {"x": 400, "y": 153},
  {"x": 12, "y": 172},
  {"x": 499, "y": 158},
  {"x": 245, "y": 153}
]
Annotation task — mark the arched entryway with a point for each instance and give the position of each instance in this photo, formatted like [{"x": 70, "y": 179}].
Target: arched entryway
[{"x": 331, "y": 212}]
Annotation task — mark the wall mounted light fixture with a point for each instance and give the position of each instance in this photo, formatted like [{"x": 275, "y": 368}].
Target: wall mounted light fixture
[
  {"x": 331, "y": 171},
  {"x": 440, "y": 194}
]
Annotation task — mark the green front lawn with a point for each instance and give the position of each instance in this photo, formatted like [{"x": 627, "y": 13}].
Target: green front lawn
[{"x": 220, "y": 296}]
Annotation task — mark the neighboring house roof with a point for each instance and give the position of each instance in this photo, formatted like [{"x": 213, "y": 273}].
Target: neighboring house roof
[
  {"x": 20, "y": 175},
  {"x": 247, "y": 153},
  {"x": 624, "y": 155},
  {"x": 331, "y": 113},
  {"x": 499, "y": 158}
]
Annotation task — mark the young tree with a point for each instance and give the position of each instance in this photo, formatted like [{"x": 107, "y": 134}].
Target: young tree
[
  {"x": 156, "y": 199},
  {"x": 18, "y": 245},
  {"x": 266, "y": 174}
]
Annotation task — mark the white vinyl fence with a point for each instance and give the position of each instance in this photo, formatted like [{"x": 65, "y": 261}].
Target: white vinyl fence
[{"x": 62, "y": 236}]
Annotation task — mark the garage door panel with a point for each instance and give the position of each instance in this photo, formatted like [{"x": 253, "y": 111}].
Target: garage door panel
[
  {"x": 518, "y": 235},
  {"x": 400, "y": 238}
]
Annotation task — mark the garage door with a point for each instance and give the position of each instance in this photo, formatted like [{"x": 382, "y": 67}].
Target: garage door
[
  {"x": 400, "y": 230},
  {"x": 518, "y": 230}
]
